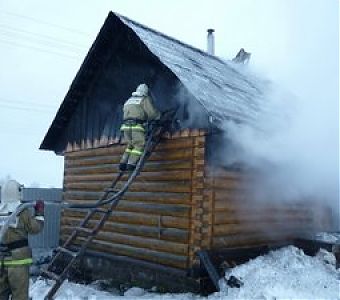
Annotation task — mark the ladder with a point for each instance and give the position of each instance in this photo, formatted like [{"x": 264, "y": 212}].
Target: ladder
[{"x": 88, "y": 234}]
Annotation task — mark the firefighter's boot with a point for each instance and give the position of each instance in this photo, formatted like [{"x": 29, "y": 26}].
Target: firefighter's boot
[{"x": 124, "y": 160}]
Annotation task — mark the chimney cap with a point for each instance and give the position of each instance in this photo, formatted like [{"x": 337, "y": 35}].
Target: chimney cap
[{"x": 210, "y": 30}]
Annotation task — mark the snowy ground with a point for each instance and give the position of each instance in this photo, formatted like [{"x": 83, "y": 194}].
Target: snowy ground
[{"x": 283, "y": 274}]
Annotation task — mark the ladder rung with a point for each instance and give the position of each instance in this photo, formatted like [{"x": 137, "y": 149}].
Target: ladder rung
[
  {"x": 101, "y": 210},
  {"x": 84, "y": 230},
  {"x": 51, "y": 275},
  {"x": 92, "y": 232},
  {"x": 67, "y": 251}
]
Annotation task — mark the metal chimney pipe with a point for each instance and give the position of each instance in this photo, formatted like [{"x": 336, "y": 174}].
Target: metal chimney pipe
[{"x": 211, "y": 41}]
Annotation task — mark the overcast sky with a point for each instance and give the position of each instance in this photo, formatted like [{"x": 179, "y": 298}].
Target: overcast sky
[{"x": 43, "y": 43}]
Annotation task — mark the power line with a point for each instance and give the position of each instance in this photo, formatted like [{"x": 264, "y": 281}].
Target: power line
[
  {"x": 44, "y": 22},
  {"x": 6, "y": 106},
  {"x": 6, "y": 101},
  {"x": 42, "y": 36},
  {"x": 36, "y": 41},
  {"x": 38, "y": 49},
  {"x": 20, "y": 133}
]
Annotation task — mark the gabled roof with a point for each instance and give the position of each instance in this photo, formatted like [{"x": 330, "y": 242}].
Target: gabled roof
[
  {"x": 221, "y": 88},
  {"x": 225, "y": 91}
]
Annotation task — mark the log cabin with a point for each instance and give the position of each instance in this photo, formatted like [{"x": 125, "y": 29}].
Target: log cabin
[{"x": 184, "y": 200}]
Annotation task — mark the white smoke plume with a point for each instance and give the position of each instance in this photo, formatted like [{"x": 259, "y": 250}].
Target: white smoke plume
[{"x": 297, "y": 151}]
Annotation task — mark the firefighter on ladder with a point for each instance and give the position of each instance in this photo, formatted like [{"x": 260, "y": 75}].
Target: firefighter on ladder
[
  {"x": 15, "y": 253},
  {"x": 138, "y": 110}
]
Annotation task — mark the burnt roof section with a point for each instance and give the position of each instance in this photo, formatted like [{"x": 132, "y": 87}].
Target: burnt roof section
[{"x": 224, "y": 90}]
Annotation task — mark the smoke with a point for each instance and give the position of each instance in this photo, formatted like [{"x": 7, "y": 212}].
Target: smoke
[{"x": 294, "y": 149}]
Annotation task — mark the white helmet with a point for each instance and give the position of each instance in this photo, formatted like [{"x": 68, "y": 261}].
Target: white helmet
[
  {"x": 142, "y": 90},
  {"x": 11, "y": 195}
]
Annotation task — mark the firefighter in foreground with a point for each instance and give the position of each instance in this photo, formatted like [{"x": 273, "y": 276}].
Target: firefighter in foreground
[
  {"x": 16, "y": 256},
  {"x": 138, "y": 110}
]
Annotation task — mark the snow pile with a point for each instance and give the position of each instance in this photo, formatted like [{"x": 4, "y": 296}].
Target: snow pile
[
  {"x": 287, "y": 274},
  {"x": 69, "y": 291},
  {"x": 283, "y": 274},
  {"x": 73, "y": 291}
]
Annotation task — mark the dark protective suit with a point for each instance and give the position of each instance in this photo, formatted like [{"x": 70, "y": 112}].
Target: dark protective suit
[
  {"x": 138, "y": 109},
  {"x": 14, "y": 279}
]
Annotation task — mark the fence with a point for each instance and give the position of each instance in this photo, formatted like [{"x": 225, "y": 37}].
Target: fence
[{"x": 49, "y": 237}]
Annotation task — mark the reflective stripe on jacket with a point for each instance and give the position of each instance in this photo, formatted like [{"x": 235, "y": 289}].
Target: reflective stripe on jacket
[
  {"x": 136, "y": 152},
  {"x": 18, "y": 262},
  {"x": 137, "y": 127}
]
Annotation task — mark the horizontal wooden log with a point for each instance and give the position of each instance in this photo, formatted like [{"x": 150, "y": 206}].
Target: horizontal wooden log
[
  {"x": 175, "y": 210},
  {"x": 144, "y": 176},
  {"x": 151, "y": 200},
  {"x": 159, "y": 197},
  {"x": 90, "y": 178},
  {"x": 254, "y": 205},
  {"x": 103, "y": 151},
  {"x": 234, "y": 207},
  {"x": 251, "y": 216},
  {"x": 230, "y": 176},
  {"x": 158, "y": 245},
  {"x": 171, "y": 187},
  {"x": 113, "y": 168},
  {"x": 168, "y": 234},
  {"x": 135, "y": 218},
  {"x": 91, "y": 160},
  {"x": 174, "y": 154},
  {"x": 245, "y": 197},
  {"x": 196, "y": 133},
  {"x": 231, "y": 186},
  {"x": 257, "y": 227},
  {"x": 239, "y": 240},
  {"x": 226, "y": 173},
  {"x": 232, "y": 195},
  {"x": 234, "y": 204},
  {"x": 167, "y": 259},
  {"x": 91, "y": 170},
  {"x": 171, "y": 154},
  {"x": 183, "y": 142},
  {"x": 144, "y": 242},
  {"x": 118, "y": 149},
  {"x": 227, "y": 185},
  {"x": 163, "y": 209}
]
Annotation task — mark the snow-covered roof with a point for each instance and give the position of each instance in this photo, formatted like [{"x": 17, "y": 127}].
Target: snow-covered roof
[
  {"x": 220, "y": 86},
  {"x": 220, "y": 89}
]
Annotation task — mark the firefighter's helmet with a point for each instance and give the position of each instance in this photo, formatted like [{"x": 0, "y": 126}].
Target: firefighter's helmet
[
  {"x": 11, "y": 196},
  {"x": 142, "y": 90}
]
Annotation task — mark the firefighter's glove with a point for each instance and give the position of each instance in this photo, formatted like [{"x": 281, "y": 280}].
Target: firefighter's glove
[
  {"x": 39, "y": 208},
  {"x": 155, "y": 123}
]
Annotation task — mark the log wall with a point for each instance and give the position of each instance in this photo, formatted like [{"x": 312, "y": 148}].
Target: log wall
[
  {"x": 239, "y": 220},
  {"x": 155, "y": 219},
  {"x": 178, "y": 204}
]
